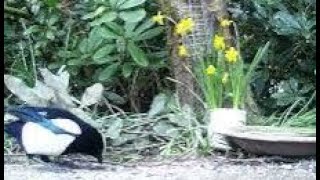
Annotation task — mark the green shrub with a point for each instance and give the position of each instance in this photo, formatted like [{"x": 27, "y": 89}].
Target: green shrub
[
  {"x": 289, "y": 72},
  {"x": 98, "y": 40}
]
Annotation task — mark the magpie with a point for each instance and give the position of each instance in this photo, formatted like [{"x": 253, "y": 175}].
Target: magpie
[{"x": 47, "y": 131}]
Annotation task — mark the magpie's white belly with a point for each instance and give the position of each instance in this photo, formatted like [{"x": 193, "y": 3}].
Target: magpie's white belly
[{"x": 41, "y": 141}]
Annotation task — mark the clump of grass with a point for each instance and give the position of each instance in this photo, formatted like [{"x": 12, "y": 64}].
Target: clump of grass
[
  {"x": 304, "y": 117},
  {"x": 191, "y": 138},
  {"x": 134, "y": 136}
]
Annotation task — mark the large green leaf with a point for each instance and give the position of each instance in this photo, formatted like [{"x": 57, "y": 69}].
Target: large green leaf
[
  {"x": 109, "y": 72},
  {"x": 149, "y": 34},
  {"x": 127, "y": 70},
  {"x": 94, "y": 14},
  {"x": 107, "y": 33},
  {"x": 114, "y": 98},
  {"x": 133, "y": 16},
  {"x": 94, "y": 40},
  {"x": 103, "y": 52},
  {"x": 147, "y": 24},
  {"x": 288, "y": 92},
  {"x": 103, "y": 60},
  {"x": 114, "y": 27},
  {"x": 113, "y": 3},
  {"x": 137, "y": 54},
  {"x": 108, "y": 17},
  {"x": 286, "y": 24},
  {"x": 83, "y": 46},
  {"x": 130, "y": 4},
  {"x": 284, "y": 99},
  {"x": 120, "y": 2},
  {"x": 129, "y": 28}
]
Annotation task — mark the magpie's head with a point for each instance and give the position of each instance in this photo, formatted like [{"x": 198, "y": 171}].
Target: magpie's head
[
  {"x": 90, "y": 142},
  {"x": 97, "y": 145}
]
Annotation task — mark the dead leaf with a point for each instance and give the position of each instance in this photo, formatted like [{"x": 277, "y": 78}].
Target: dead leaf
[
  {"x": 58, "y": 82},
  {"x": 92, "y": 95},
  {"x": 23, "y": 92}
]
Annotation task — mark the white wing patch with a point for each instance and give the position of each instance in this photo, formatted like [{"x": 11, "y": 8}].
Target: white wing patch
[
  {"x": 67, "y": 125},
  {"x": 43, "y": 113},
  {"x": 41, "y": 141}
]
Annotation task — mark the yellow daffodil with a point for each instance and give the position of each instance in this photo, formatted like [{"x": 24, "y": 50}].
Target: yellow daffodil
[
  {"x": 225, "y": 23},
  {"x": 225, "y": 78},
  {"x": 232, "y": 55},
  {"x": 183, "y": 51},
  {"x": 159, "y": 18},
  {"x": 184, "y": 26},
  {"x": 219, "y": 42},
  {"x": 211, "y": 70}
]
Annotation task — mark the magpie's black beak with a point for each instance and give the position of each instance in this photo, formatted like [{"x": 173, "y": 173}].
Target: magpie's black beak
[{"x": 100, "y": 159}]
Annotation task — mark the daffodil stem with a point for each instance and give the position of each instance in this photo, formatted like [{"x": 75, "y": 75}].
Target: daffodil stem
[{"x": 171, "y": 20}]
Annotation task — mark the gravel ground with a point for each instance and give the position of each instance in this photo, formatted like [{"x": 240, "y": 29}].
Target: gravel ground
[{"x": 217, "y": 168}]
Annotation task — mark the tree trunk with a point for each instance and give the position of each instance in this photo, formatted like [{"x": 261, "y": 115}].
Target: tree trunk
[
  {"x": 178, "y": 64},
  {"x": 196, "y": 42},
  {"x": 219, "y": 9}
]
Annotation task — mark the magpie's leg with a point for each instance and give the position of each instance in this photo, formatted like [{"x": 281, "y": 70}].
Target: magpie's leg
[
  {"x": 30, "y": 159},
  {"x": 45, "y": 159},
  {"x": 30, "y": 156}
]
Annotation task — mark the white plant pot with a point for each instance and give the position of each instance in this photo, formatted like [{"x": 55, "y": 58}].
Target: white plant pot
[{"x": 221, "y": 121}]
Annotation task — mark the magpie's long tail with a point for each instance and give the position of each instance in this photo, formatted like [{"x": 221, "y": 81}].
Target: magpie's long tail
[{"x": 27, "y": 115}]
